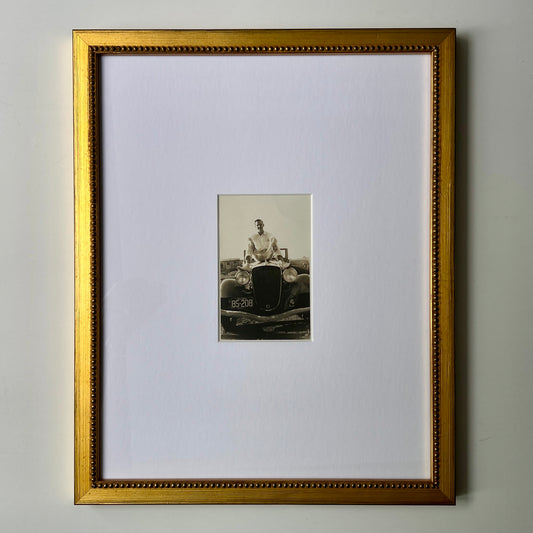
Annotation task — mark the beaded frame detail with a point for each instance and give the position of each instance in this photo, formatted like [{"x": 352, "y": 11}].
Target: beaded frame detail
[{"x": 88, "y": 47}]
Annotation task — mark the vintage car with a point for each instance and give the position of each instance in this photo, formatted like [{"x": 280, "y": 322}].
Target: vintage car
[{"x": 264, "y": 292}]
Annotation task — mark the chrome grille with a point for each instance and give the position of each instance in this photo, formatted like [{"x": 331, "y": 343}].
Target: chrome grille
[{"x": 266, "y": 281}]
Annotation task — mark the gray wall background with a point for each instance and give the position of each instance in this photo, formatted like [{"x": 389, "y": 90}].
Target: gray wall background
[{"x": 494, "y": 263}]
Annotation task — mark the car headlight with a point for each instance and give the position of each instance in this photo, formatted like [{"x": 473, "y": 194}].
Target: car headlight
[
  {"x": 290, "y": 274},
  {"x": 242, "y": 277}
]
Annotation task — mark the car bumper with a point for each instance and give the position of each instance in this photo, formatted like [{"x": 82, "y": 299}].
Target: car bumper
[{"x": 264, "y": 319}]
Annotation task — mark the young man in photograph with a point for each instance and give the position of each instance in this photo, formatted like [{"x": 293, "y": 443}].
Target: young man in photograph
[{"x": 262, "y": 246}]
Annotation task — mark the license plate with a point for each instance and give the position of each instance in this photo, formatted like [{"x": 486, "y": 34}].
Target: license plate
[{"x": 242, "y": 303}]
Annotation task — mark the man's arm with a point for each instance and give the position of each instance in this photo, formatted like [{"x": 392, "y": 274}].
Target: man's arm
[
  {"x": 274, "y": 247},
  {"x": 250, "y": 251}
]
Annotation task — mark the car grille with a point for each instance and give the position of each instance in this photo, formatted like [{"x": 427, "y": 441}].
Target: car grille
[{"x": 266, "y": 281}]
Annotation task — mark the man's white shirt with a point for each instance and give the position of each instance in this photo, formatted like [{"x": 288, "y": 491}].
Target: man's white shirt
[{"x": 262, "y": 243}]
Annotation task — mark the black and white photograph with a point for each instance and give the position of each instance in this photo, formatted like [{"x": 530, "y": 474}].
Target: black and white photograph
[{"x": 265, "y": 267}]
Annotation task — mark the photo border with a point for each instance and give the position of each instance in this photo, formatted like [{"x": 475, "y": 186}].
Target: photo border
[
  {"x": 88, "y": 47},
  {"x": 269, "y": 338}
]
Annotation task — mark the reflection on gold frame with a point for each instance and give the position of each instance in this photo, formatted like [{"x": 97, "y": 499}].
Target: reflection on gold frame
[{"x": 90, "y": 487}]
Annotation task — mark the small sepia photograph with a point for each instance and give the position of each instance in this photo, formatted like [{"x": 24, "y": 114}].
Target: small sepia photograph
[{"x": 264, "y": 251}]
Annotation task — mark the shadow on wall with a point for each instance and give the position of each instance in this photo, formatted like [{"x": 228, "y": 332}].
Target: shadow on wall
[{"x": 462, "y": 265}]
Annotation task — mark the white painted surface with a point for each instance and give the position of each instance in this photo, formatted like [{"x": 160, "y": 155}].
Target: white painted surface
[
  {"x": 494, "y": 263},
  {"x": 354, "y": 131}
]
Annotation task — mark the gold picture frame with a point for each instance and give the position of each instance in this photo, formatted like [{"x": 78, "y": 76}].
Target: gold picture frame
[{"x": 91, "y": 487}]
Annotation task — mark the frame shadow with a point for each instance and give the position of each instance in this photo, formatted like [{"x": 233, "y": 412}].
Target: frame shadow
[{"x": 462, "y": 264}]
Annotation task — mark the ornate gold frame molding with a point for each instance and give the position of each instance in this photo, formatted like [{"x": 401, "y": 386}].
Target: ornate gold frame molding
[{"x": 88, "y": 46}]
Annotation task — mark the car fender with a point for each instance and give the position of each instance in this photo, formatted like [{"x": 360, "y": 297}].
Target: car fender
[
  {"x": 229, "y": 288},
  {"x": 301, "y": 284}
]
